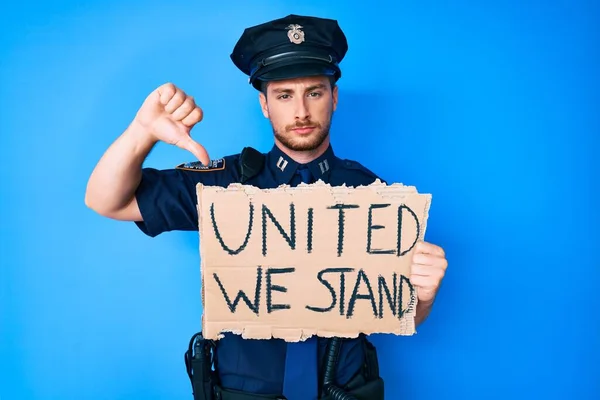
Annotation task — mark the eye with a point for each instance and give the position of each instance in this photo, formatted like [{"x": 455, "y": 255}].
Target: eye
[
  {"x": 283, "y": 96},
  {"x": 314, "y": 94}
]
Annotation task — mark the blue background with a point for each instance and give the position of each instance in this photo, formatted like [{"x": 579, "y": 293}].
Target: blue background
[{"x": 493, "y": 107}]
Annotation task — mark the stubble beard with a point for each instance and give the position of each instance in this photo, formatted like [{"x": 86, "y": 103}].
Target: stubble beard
[{"x": 302, "y": 143}]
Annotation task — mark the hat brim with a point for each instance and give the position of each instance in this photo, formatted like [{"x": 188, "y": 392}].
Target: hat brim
[{"x": 291, "y": 69}]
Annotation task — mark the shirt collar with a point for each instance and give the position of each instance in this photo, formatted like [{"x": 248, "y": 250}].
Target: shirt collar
[{"x": 284, "y": 168}]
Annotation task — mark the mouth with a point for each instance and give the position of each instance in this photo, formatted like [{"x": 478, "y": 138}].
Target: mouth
[{"x": 304, "y": 130}]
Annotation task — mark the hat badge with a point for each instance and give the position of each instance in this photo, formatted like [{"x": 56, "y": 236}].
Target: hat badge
[{"x": 295, "y": 34}]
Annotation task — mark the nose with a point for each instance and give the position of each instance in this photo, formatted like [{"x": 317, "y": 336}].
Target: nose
[{"x": 301, "y": 109}]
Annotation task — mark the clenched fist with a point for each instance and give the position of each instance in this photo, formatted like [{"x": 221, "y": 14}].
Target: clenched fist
[
  {"x": 169, "y": 114},
  {"x": 428, "y": 269}
]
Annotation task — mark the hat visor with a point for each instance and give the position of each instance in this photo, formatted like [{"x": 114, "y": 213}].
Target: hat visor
[{"x": 296, "y": 69}]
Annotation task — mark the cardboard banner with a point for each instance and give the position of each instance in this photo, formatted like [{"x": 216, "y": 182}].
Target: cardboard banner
[{"x": 311, "y": 260}]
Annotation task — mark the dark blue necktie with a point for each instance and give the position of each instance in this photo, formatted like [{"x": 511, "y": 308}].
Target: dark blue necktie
[
  {"x": 300, "y": 379},
  {"x": 305, "y": 175}
]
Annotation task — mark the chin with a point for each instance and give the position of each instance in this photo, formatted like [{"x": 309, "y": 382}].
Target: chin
[
  {"x": 303, "y": 144},
  {"x": 308, "y": 143}
]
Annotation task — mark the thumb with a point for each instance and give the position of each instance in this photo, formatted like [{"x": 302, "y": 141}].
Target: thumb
[{"x": 187, "y": 143}]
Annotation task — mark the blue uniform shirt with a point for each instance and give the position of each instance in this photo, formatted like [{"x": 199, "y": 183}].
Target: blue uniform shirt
[{"x": 167, "y": 201}]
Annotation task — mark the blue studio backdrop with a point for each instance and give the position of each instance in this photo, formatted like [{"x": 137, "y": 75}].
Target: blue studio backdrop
[{"x": 492, "y": 107}]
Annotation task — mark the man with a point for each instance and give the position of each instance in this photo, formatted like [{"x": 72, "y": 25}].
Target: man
[{"x": 294, "y": 64}]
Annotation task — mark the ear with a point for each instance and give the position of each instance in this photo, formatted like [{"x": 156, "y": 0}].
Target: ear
[
  {"x": 262, "y": 98},
  {"x": 335, "y": 96}
]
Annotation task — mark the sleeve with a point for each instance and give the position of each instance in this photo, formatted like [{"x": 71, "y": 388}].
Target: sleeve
[
  {"x": 167, "y": 201},
  {"x": 167, "y": 198}
]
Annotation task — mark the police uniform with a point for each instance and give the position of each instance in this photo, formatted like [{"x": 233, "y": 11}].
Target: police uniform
[{"x": 255, "y": 369}]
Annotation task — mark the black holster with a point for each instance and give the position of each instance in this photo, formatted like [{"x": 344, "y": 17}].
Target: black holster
[{"x": 199, "y": 363}]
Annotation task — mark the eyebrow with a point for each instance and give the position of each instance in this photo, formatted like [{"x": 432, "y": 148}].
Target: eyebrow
[{"x": 308, "y": 89}]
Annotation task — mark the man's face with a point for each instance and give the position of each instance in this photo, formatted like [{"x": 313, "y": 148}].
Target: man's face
[{"x": 300, "y": 111}]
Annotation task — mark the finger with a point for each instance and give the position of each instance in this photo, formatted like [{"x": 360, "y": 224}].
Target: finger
[
  {"x": 429, "y": 248},
  {"x": 419, "y": 270},
  {"x": 426, "y": 271},
  {"x": 175, "y": 102},
  {"x": 422, "y": 282},
  {"x": 196, "y": 149},
  {"x": 193, "y": 118},
  {"x": 166, "y": 92},
  {"x": 184, "y": 109},
  {"x": 428, "y": 261},
  {"x": 424, "y": 259}
]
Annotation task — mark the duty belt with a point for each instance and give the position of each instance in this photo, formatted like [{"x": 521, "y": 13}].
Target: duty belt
[{"x": 201, "y": 368}]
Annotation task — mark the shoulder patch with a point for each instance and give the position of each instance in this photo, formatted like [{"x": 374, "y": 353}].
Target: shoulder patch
[{"x": 214, "y": 165}]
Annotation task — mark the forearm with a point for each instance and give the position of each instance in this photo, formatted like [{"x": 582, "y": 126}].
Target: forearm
[{"x": 112, "y": 184}]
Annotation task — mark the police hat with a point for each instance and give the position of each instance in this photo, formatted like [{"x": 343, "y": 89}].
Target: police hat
[{"x": 290, "y": 47}]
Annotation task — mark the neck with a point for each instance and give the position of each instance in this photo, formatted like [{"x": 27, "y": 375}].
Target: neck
[{"x": 304, "y": 156}]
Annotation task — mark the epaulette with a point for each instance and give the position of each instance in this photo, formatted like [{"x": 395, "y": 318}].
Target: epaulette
[{"x": 214, "y": 165}]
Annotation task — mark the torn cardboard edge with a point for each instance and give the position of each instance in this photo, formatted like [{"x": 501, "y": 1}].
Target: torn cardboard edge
[
  {"x": 265, "y": 332},
  {"x": 256, "y": 328}
]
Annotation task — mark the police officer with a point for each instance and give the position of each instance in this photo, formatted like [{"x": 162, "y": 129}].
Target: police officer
[{"x": 294, "y": 64}]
